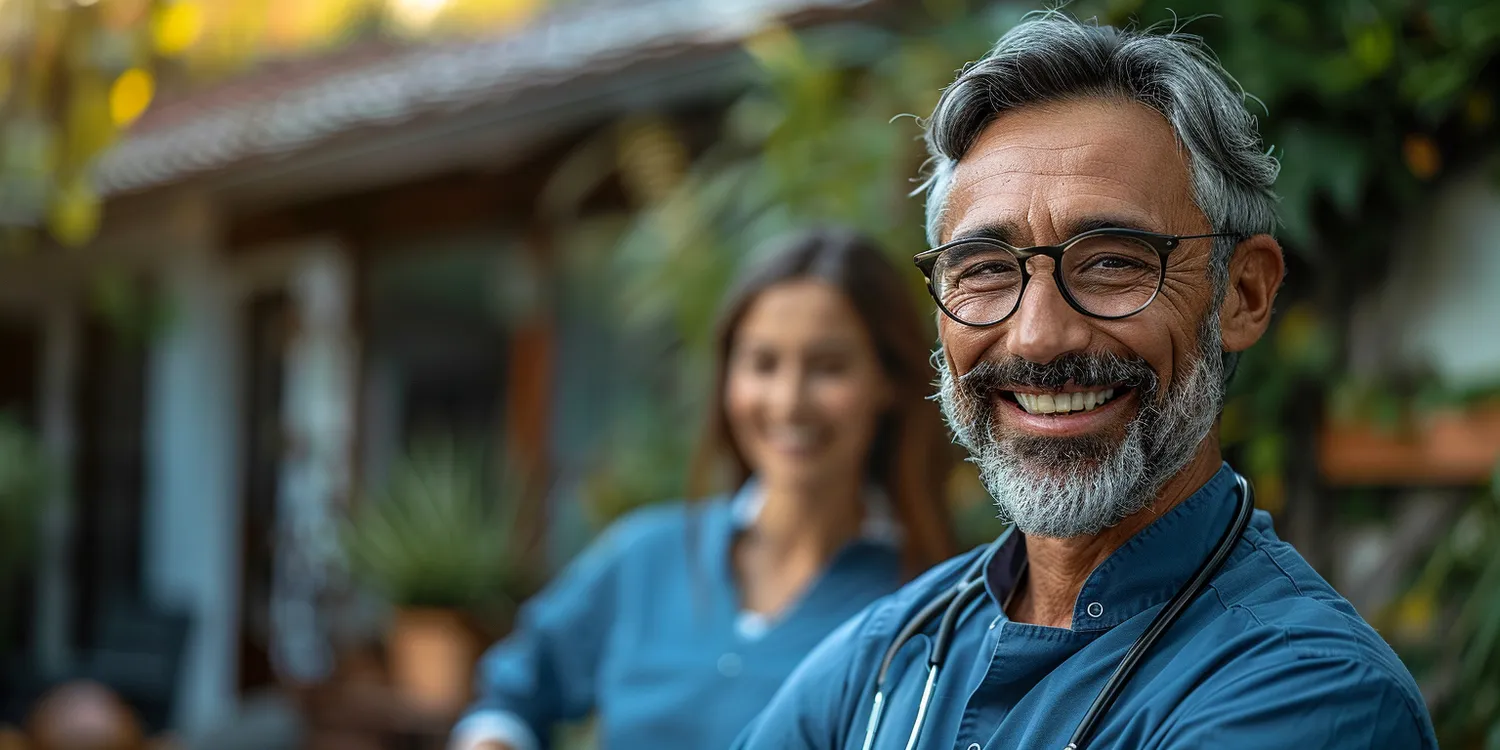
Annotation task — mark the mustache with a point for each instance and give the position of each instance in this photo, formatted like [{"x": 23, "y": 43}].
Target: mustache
[{"x": 1085, "y": 370}]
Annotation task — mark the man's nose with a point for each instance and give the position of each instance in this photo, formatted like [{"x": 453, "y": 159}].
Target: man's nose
[{"x": 1044, "y": 326}]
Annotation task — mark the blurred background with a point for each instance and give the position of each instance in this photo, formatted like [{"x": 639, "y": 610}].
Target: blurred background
[{"x": 330, "y": 328}]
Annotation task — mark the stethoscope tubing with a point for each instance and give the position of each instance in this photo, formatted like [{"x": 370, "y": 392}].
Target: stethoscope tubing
[
  {"x": 1165, "y": 619},
  {"x": 956, "y": 598}
]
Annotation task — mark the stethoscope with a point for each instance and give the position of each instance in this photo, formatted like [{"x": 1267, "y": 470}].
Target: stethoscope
[{"x": 951, "y": 603}]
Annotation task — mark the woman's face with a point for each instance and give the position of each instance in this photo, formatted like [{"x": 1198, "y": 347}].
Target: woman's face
[{"x": 805, "y": 388}]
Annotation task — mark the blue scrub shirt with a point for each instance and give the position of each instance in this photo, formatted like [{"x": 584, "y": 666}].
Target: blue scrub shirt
[
  {"x": 1268, "y": 656},
  {"x": 645, "y": 630}
]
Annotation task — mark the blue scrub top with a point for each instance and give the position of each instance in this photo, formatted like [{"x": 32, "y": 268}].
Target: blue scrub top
[
  {"x": 645, "y": 630},
  {"x": 1268, "y": 656}
]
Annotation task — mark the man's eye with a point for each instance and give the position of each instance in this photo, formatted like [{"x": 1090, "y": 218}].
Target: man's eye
[
  {"x": 1115, "y": 263},
  {"x": 990, "y": 268}
]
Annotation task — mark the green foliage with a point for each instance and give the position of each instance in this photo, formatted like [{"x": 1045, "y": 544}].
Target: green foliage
[
  {"x": 24, "y": 478},
  {"x": 1457, "y": 595},
  {"x": 1366, "y": 105},
  {"x": 642, "y": 464},
  {"x": 61, "y": 105},
  {"x": 23, "y": 487},
  {"x": 1369, "y": 106},
  {"x": 436, "y": 536}
]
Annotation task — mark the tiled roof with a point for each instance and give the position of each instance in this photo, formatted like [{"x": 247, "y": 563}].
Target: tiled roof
[{"x": 289, "y": 113}]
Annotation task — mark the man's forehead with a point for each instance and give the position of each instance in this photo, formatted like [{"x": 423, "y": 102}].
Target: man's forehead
[{"x": 1042, "y": 167}]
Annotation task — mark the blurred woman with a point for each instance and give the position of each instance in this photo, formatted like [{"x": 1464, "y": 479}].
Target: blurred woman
[{"x": 680, "y": 622}]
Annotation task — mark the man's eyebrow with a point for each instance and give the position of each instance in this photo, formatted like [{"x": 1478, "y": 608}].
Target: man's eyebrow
[
  {"x": 1009, "y": 232},
  {"x": 1006, "y": 232},
  {"x": 1090, "y": 223}
]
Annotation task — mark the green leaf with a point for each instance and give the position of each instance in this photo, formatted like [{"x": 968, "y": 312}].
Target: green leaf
[
  {"x": 435, "y": 535},
  {"x": 1372, "y": 47}
]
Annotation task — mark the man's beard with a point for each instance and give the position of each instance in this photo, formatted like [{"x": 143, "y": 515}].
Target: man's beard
[{"x": 1065, "y": 487}]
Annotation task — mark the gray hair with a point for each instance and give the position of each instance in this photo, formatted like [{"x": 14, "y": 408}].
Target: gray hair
[{"x": 1051, "y": 56}]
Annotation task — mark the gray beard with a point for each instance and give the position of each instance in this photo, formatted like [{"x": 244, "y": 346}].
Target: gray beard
[{"x": 1069, "y": 487}]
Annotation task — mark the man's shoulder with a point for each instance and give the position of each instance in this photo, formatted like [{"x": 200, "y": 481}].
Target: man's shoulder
[
  {"x": 1276, "y": 608},
  {"x": 1276, "y": 634}
]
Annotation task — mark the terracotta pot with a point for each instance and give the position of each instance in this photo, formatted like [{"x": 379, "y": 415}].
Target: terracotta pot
[
  {"x": 84, "y": 714},
  {"x": 432, "y": 653}
]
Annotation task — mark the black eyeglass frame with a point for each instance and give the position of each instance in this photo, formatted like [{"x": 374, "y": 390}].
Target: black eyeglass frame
[{"x": 1163, "y": 244}]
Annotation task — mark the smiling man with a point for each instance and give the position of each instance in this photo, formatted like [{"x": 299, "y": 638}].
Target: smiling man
[{"x": 1101, "y": 213}]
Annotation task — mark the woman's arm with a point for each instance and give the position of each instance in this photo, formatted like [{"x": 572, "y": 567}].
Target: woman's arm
[{"x": 546, "y": 671}]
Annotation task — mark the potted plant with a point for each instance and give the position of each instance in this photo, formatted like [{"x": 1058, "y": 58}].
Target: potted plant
[
  {"x": 439, "y": 546},
  {"x": 23, "y": 486}
]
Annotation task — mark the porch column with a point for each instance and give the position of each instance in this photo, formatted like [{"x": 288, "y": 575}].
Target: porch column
[
  {"x": 191, "y": 549},
  {"x": 318, "y": 419}
]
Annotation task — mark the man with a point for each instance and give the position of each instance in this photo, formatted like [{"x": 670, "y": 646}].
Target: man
[{"x": 1101, "y": 210}]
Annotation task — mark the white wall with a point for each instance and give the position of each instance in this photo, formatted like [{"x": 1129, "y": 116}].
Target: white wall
[{"x": 1442, "y": 306}]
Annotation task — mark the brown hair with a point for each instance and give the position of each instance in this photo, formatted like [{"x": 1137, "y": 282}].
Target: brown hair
[{"x": 911, "y": 455}]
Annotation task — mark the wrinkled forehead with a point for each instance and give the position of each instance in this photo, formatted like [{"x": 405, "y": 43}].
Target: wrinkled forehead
[{"x": 1038, "y": 172}]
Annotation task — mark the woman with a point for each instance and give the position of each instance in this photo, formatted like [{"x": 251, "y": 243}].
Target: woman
[{"x": 682, "y": 620}]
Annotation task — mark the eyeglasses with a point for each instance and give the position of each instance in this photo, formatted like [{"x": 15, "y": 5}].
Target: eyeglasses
[{"x": 1106, "y": 273}]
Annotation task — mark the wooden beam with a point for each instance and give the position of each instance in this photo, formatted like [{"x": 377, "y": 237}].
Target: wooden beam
[
  {"x": 1450, "y": 448},
  {"x": 528, "y": 414}
]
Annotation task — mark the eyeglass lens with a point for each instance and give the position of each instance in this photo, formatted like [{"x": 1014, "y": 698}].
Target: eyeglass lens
[{"x": 1106, "y": 275}]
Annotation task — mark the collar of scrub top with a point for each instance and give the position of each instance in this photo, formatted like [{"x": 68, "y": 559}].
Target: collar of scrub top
[
  {"x": 1145, "y": 571},
  {"x": 879, "y": 527}
]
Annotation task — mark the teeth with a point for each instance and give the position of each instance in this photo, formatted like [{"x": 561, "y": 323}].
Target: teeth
[{"x": 1062, "y": 403}]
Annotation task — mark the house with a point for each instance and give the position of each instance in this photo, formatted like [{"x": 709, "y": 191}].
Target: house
[{"x": 296, "y": 270}]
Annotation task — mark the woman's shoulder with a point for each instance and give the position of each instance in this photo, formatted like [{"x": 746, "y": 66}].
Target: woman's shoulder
[{"x": 661, "y": 523}]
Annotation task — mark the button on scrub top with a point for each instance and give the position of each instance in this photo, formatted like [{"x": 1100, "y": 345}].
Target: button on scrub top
[
  {"x": 1268, "y": 656},
  {"x": 645, "y": 630}
]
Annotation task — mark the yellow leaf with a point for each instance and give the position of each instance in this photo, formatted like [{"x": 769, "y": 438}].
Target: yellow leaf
[
  {"x": 1270, "y": 493},
  {"x": 774, "y": 46},
  {"x": 177, "y": 27},
  {"x": 296, "y": 25},
  {"x": 232, "y": 34},
  {"x": 1422, "y": 155},
  {"x": 130, "y": 95},
  {"x": 1414, "y": 614},
  {"x": 1479, "y": 109},
  {"x": 123, "y": 14},
  {"x": 89, "y": 127},
  {"x": 414, "y": 16},
  {"x": 1233, "y": 422},
  {"x": 75, "y": 215},
  {"x": 1299, "y": 328},
  {"x": 652, "y": 159},
  {"x": 5, "y": 80}
]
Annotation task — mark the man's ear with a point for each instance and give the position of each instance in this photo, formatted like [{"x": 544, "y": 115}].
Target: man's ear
[{"x": 1255, "y": 274}]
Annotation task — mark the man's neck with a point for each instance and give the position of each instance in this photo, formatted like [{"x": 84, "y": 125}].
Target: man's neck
[{"x": 1058, "y": 568}]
